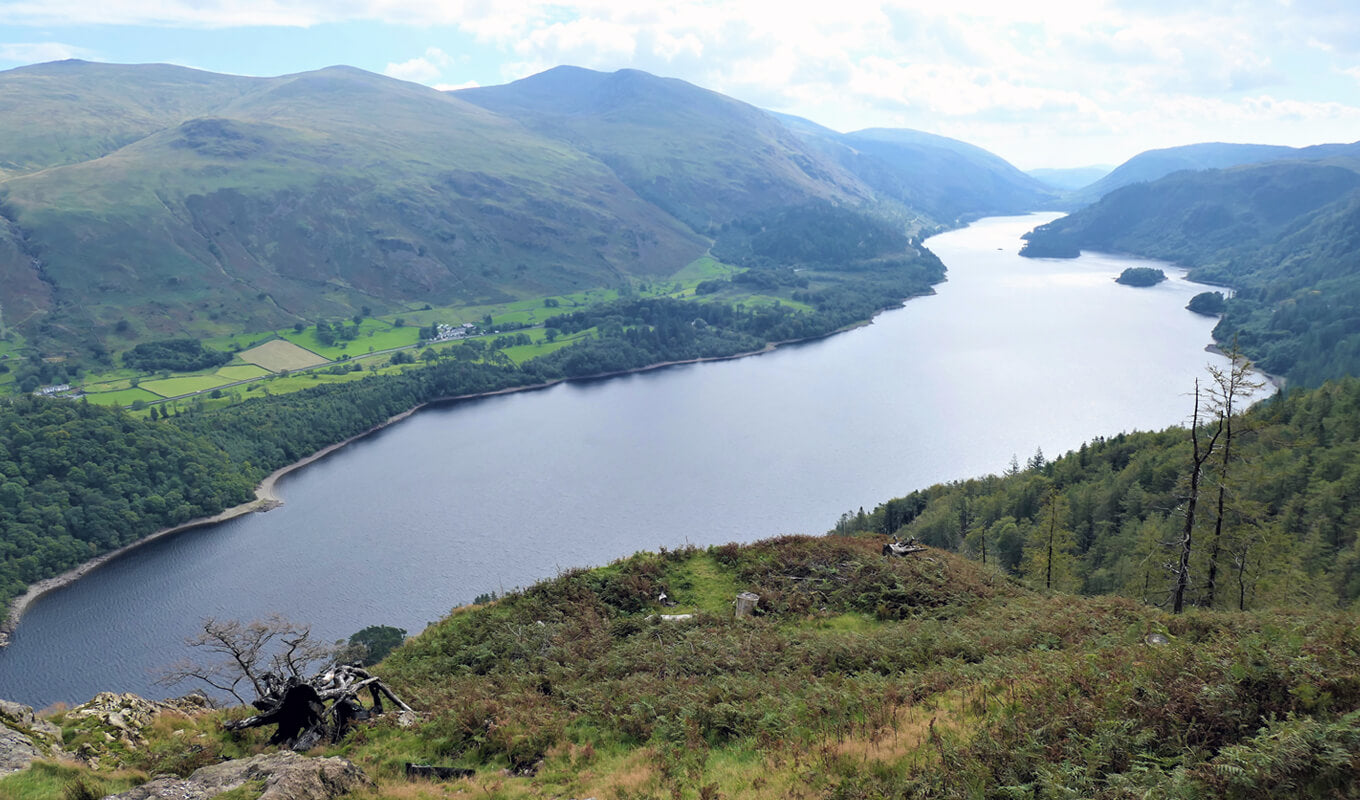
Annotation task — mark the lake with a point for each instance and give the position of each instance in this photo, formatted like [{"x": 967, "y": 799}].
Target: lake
[{"x": 487, "y": 495}]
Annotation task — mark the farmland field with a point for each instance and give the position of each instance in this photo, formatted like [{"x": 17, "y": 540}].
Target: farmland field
[
  {"x": 242, "y": 372},
  {"x": 173, "y": 387},
  {"x": 279, "y": 355},
  {"x": 121, "y": 397}
]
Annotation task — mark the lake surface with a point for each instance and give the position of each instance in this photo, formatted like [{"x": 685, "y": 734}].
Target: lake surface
[{"x": 487, "y": 495}]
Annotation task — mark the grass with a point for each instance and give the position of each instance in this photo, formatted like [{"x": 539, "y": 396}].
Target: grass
[
  {"x": 541, "y": 346},
  {"x": 187, "y": 384},
  {"x": 47, "y": 780},
  {"x": 373, "y": 333},
  {"x": 242, "y": 372},
  {"x": 860, "y": 677},
  {"x": 122, "y": 397},
  {"x": 702, "y": 269},
  {"x": 279, "y": 355}
]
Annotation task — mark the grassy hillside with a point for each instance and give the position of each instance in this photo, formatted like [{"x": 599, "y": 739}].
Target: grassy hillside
[
  {"x": 943, "y": 179},
  {"x": 1283, "y": 235},
  {"x": 701, "y": 156},
  {"x": 860, "y": 676},
  {"x": 315, "y": 194},
  {"x": 67, "y": 112}
]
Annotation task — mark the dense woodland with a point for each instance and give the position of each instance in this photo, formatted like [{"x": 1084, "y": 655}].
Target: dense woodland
[{"x": 78, "y": 480}]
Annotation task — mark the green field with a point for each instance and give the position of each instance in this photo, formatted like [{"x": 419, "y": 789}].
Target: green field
[
  {"x": 279, "y": 355},
  {"x": 242, "y": 372},
  {"x": 187, "y": 384},
  {"x": 541, "y": 346},
  {"x": 374, "y": 335},
  {"x": 121, "y": 397},
  {"x": 239, "y": 341},
  {"x": 704, "y": 268}
]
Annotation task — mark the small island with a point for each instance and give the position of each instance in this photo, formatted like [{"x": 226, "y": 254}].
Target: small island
[
  {"x": 1207, "y": 303},
  {"x": 1141, "y": 276}
]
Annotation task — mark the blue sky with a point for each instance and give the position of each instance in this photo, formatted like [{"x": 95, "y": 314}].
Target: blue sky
[{"x": 1045, "y": 83}]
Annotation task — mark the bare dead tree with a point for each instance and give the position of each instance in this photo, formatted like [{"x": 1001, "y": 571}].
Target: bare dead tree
[
  {"x": 1229, "y": 385},
  {"x": 299, "y": 708},
  {"x": 258, "y": 653},
  {"x": 1199, "y": 454}
]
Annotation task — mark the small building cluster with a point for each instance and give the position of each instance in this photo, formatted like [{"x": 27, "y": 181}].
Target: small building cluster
[
  {"x": 59, "y": 390},
  {"x": 444, "y": 332}
]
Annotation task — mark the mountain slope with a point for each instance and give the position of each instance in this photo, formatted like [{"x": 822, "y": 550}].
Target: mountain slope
[
  {"x": 703, "y": 157},
  {"x": 942, "y": 178},
  {"x": 313, "y": 194},
  {"x": 1154, "y": 164},
  {"x": 66, "y": 112}
]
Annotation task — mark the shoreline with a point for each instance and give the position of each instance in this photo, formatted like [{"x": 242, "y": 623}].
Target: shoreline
[
  {"x": 266, "y": 498},
  {"x": 1277, "y": 381}
]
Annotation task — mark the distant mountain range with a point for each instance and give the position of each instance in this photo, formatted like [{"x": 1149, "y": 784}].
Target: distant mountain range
[
  {"x": 1071, "y": 178},
  {"x": 1154, "y": 164},
  {"x": 142, "y": 201}
]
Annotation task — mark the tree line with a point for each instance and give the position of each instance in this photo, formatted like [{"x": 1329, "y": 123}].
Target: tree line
[{"x": 1238, "y": 510}]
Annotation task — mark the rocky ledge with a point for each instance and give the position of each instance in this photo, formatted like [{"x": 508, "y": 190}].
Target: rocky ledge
[
  {"x": 24, "y": 738},
  {"x": 280, "y": 776}
]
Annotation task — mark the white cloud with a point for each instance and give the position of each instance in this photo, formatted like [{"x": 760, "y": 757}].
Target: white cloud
[
  {"x": 422, "y": 69},
  {"x": 1048, "y": 68},
  {"x": 35, "y": 52},
  {"x": 453, "y": 87}
]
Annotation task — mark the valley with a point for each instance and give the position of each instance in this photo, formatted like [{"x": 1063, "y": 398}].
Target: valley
[{"x": 433, "y": 323}]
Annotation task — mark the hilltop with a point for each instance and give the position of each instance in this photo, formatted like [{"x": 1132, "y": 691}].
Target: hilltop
[
  {"x": 860, "y": 675},
  {"x": 1155, "y": 164}
]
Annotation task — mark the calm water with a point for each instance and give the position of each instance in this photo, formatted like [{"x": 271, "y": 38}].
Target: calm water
[{"x": 1010, "y": 355}]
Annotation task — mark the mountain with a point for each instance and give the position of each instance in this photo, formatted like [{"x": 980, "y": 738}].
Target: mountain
[
  {"x": 66, "y": 112},
  {"x": 705, "y": 158},
  {"x": 271, "y": 200},
  {"x": 140, "y": 202},
  {"x": 1154, "y": 164},
  {"x": 945, "y": 179},
  {"x": 1070, "y": 178},
  {"x": 1283, "y": 235}
]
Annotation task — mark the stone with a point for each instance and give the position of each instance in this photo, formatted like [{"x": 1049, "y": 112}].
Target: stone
[
  {"x": 20, "y": 716},
  {"x": 24, "y": 738},
  {"x": 285, "y": 775},
  {"x": 17, "y": 751}
]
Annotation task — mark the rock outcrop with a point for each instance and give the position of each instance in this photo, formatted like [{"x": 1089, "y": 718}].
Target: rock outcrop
[
  {"x": 111, "y": 724},
  {"x": 283, "y": 776},
  {"x": 24, "y": 738}
]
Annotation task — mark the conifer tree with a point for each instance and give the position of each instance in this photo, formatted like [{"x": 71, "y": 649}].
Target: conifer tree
[{"x": 1048, "y": 552}]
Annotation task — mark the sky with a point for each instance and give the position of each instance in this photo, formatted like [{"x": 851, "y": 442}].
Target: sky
[{"x": 1042, "y": 83}]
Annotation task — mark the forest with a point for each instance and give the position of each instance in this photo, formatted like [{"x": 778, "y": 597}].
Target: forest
[{"x": 78, "y": 480}]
